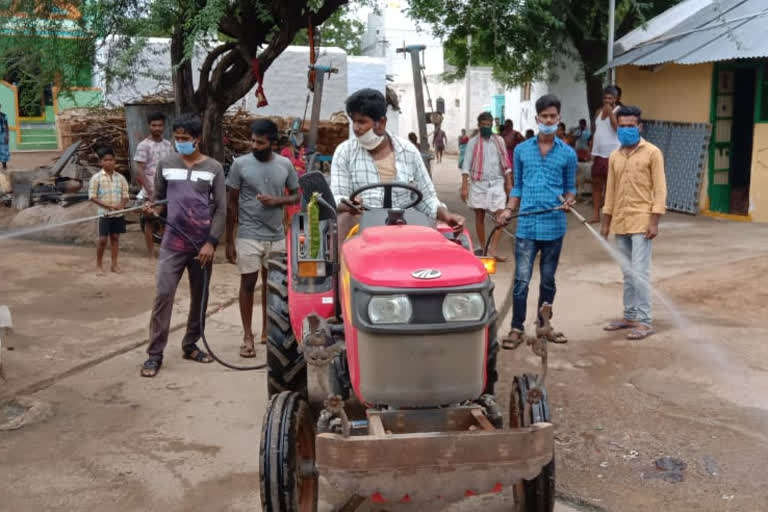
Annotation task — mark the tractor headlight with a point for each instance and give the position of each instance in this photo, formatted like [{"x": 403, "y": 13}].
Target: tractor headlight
[
  {"x": 463, "y": 307},
  {"x": 390, "y": 309}
]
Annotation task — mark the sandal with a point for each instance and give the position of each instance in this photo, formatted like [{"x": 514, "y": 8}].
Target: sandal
[
  {"x": 618, "y": 325},
  {"x": 513, "y": 339},
  {"x": 247, "y": 349},
  {"x": 150, "y": 368},
  {"x": 557, "y": 337},
  {"x": 642, "y": 332},
  {"x": 198, "y": 356}
]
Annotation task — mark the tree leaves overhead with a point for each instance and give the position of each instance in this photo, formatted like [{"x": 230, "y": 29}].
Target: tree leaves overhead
[
  {"x": 342, "y": 30},
  {"x": 525, "y": 39}
]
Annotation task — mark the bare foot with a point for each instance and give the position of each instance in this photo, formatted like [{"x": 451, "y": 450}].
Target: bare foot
[
  {"x": 100, "y": 270},
  {"x": 116, "y": 270}
]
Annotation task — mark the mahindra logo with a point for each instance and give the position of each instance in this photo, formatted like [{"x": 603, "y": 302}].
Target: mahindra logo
[{"x": 426, "y": 273}]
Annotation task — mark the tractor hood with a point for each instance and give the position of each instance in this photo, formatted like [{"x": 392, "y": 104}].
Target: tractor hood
[{"x": 410, "y": 257}]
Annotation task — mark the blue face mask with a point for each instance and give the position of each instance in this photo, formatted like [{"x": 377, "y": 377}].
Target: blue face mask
[
  {"x": 629, "y": 135},
  {"x": 547, "y": 129},
  {"x": 185, "y": 148}
]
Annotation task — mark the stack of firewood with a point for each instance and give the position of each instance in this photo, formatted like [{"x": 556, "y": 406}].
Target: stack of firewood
[
  {"x": 237, "y": 131},
  {"x": 95, "y": 128}
]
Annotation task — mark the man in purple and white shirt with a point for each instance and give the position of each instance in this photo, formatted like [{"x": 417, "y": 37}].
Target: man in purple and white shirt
[{"x": 189, "y": 180}]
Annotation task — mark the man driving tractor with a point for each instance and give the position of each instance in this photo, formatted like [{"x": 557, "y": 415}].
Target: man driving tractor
[{"x": 377, "y": 156}]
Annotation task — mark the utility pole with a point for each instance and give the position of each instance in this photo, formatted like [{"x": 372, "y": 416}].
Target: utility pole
[
  {"x": 611, "y": 29},
  {"x": 418, "y": 90},
  {"x": 468, "y": 86}
]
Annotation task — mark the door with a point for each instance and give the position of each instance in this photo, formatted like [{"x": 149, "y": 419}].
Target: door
[
  {"x": 719, "y": 190},
  {"x": 498, "y": 107}
]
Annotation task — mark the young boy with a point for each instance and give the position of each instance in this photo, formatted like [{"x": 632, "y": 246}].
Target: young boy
[{"x": 109, "y": 190}]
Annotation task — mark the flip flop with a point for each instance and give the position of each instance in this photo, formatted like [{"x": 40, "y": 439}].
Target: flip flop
[
  {"x": 501, "y": 259},
  {"x": 513, "y": 339},
  {"x": 640, "y": 334},
  {"x": 150, "y": 368},
  {"x": 198, "y": 356},
  {"x": 247, "y": 349},
  {"x": 618, "y": 325}
]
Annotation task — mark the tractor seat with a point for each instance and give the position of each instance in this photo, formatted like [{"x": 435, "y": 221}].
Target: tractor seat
[{"x": 379, "y": 217}]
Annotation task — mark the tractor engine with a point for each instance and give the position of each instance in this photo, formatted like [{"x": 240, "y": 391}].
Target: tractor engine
[{"x": 417, "y": 310}]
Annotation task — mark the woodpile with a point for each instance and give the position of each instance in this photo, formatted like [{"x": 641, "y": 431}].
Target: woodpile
[
  {"x": 95, "y": 127},
  {"x": 237, "y": 131}
]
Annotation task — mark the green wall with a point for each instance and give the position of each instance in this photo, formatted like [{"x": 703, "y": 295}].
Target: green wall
[
  {"x": 79, "y": 99},
  {"x": 8, "y": 101}
]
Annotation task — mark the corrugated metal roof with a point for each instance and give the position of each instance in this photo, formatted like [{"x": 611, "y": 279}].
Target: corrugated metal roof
[{"x": 725, "y": 30}]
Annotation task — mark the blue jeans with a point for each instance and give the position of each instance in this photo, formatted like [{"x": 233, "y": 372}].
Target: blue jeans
[
  {"x": 637, "y": 288},
  {"x": 525, "y": 256}
]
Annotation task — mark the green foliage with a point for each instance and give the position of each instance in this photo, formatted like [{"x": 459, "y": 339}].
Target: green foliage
[
  {"x": 524, "y": 39},
  {"x": 342, "y": 30}
]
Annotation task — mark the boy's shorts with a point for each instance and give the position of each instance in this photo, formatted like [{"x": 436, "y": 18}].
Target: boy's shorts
[
  {"x": 111, "y": 226},
  {"x": 252, "y": 255}
]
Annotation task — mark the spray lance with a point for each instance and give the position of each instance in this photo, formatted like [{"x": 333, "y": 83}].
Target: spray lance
[
  {"x": 35, "y": 229},
  {"x": 206, "y": 271}
]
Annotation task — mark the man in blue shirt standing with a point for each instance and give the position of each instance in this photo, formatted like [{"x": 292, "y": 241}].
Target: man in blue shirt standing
[{"x": 544, "y": 169}]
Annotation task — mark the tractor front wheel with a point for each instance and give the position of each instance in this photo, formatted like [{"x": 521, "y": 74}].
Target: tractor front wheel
[
  {"x": 288, "y": 478},
  {"x": 286, "y": 367},
  {"x": 537, "y": 495}
]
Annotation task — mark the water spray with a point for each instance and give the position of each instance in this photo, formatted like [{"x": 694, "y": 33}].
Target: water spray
[{"x": 35, "y": 229}]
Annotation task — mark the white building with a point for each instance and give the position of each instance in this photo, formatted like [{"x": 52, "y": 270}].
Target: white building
[
  {"x": 285, "y": 82},
  {"x": 464, "y": 99}
]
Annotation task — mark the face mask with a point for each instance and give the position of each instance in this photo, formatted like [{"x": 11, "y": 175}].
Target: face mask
[
  {"x": 185, "y": 148},
  {"x": 263, "y": 154},
  {"x": 629, "y": 135},
  {"x": 547, "y": 129},
  {"x": 486, "y": 131},
  {"x": 369, "y": 140}
]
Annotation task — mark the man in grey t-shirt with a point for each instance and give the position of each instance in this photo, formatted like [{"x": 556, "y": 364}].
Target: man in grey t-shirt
[{"x": 256, "y": 186}]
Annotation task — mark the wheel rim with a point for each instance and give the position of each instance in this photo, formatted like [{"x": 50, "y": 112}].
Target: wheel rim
[{"x": 306, "y": 476}]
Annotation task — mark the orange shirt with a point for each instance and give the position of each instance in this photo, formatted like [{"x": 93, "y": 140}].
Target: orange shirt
[{"x": 637, "y": 188}]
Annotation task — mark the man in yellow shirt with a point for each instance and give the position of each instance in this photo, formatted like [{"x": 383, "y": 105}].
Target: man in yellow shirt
[{"x": 635, "y": 199}]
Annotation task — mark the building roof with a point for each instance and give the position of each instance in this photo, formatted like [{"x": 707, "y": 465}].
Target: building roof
[{"x": 711, "y": 31}]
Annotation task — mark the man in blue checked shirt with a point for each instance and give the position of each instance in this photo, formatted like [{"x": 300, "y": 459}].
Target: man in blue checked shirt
[{"x": 544, "y": 168}]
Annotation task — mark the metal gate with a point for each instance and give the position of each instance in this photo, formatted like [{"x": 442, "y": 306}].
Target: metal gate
[{"x": 685, "y": 147}]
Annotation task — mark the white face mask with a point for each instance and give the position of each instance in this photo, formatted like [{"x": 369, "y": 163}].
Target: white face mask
[{"x": 369, "y": 140}]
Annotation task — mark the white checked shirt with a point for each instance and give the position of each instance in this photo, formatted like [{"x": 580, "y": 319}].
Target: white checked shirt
[{"x": 353, "y": 167}]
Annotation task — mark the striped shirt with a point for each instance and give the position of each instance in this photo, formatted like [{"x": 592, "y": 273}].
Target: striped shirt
[
  {"x": 189, "y": 192},
  {"x": 109, "y": 189},
  {"x": 353, "y": 167},
  {"x": 539, "y": 180}
]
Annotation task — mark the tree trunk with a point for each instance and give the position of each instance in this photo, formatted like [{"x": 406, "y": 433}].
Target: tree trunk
[
  {"x": 213, "y": 130},
  {"x": 594, "y": 94},
  {"x": 183, "y": 89}
]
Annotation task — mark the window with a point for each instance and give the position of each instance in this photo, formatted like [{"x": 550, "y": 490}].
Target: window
[
  {"x": 525, "y": 92},
  {"x": 761, "y": 110}
]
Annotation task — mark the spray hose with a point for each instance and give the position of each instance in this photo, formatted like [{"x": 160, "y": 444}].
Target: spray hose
[{"x": 204, "y": 301}]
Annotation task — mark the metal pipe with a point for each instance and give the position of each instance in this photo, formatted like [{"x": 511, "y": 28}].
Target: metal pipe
[
  {"x": 611, "y": 30},
  {"x": 468, "y": 86}
]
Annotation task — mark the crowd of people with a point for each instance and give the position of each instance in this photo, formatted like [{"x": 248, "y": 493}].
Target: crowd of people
[{"x": 502, "y": 172}]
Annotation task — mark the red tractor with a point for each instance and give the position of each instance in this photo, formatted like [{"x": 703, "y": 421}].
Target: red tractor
[{"x": 381, "y": 360}]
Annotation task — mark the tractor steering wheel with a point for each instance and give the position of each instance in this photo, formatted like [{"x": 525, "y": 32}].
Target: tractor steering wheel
[{"x": 388, "y": 193}]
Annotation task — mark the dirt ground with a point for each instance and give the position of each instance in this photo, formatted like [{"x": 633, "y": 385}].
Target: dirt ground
[{"x": 189, "y": 439}]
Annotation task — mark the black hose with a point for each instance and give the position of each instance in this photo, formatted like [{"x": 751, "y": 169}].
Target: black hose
[
  {"x": 204, "y": 301},
  {"x": 514, "y": 216}
]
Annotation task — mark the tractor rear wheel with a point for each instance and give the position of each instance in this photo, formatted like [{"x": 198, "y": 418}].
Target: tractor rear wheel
[
  {"x": 537, "y": 495},
  {"x": 286, "y": 367},
  {"x": 287, "y": 474}
]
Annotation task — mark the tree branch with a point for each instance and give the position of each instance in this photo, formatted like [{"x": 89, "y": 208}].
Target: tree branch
[{"x": 205, "y": 70}]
